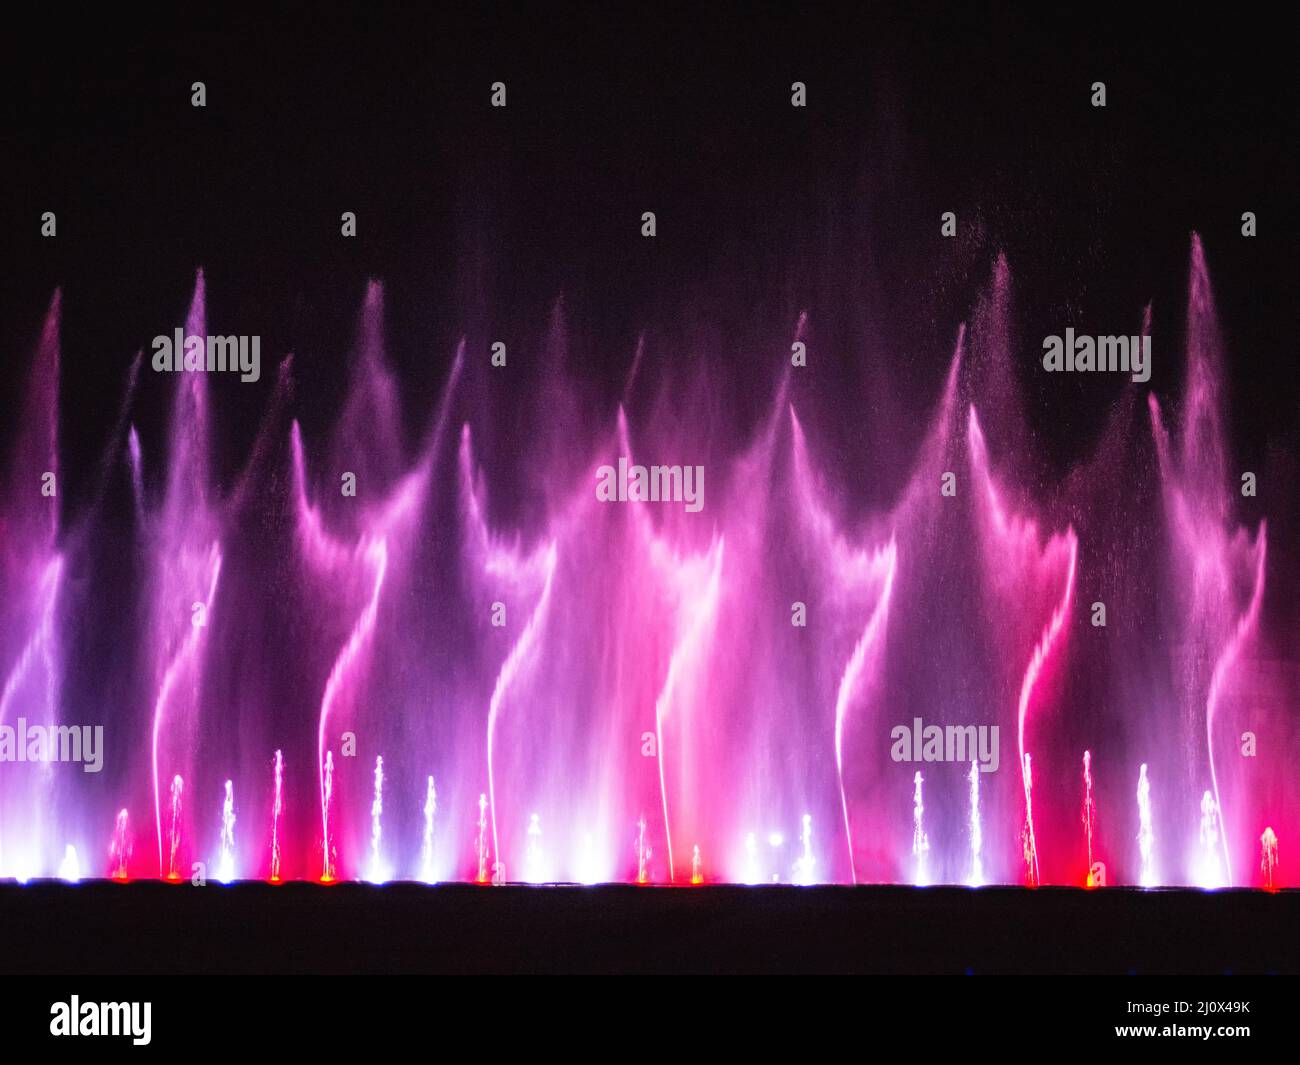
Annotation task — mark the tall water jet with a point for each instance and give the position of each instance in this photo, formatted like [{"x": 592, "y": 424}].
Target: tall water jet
[
  {"x": 226, "y": 863},
  {"x": 533, "y": 871},
  {"x": 427, "y": 873},
  {"x": 1210, "y": 871},
  {"x": 362, "y": 566},
  {"x": 1268, "y": 857},
  {"x": 588, "y": 864},
  {"x": 642, "y": 853},
  {"x": 184, "y": 533},
  {"x": 1089, "y": 814},
  {"x": 482, "y": 845},
  {"x": 277, "y": 808},
  {"x": 1217, "y": 576},
  {"x": 31, "y": 589},
  {"x": 920, "y": 841},
  {"x": 519, "y": 654},
  {"x": 805, "y": 864},
  {"x": 345, "y": 665},
  {"x": 863, "y": 577},
  {"x": 177, "y": 787},
  {"x": 327, "y": 802},
  {"x": 1022, "y": 567},
  {"x": 1146, "y": 832},
  {"x": 1030, "y": 844},
  {"x": 975, "y": 829},
  {"x": 696, "y": 613},
  {"x": 851, "y": 681},
  {"x": 119, "y": 848},
  {"x": 377, "y": 873}
]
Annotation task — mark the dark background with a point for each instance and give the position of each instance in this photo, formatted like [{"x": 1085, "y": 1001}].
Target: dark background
[{"x": 479, "y": 220}]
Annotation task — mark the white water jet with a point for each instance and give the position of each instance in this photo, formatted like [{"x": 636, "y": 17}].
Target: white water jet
[
  {"x": 70, "y": 867},
  {"x": 976, "y": 831},
  {"x": 226, "y": 863},
  {"x": 533, "y": 873},
  {"x": 1089, "y": 812},
  {"x": 804, "y": 864},
  {"x": 1146, "y": 833},
  {"x": 1209, "y": 868},
  {"x": 753, "y": 875},
  {"x": 920, "y": 841},
  {"x": 327, "y": 801},
  {"x": 426, "y": 850},
  {"x": 377, "y": 874}
]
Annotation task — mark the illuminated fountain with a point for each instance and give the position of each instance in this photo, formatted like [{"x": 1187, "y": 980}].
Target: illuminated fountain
[
  {"x": 185, "y": 536},
  {"x": 70, "y": 867},
  {"x": 1268, "y": 860},
  {"x": 805, "y": 864},
  {"x": 119, "y": 851},
  {"x": 327, "y": 805},
  {"x": 642, "y": 854},
  {"x": 1210, "y": 870},
  {"x": 1146, "y": 833},
  {"x": 174, "y": 833},
  {"x": 277, "y": 810},
  {"x": 226, "y": 862},
  {"x": 377, "y": 874},
  {"x": 1216, "y": 593},
  {"x": 1027, "y": 833},
  {"x": 533, "y": 871},
  {"x": 976, "y": 830},
  {"x": 31, "y": 590},
  {"x": 1089, "y": 815},
  {"x": 920, "y": 841},
  {"x": 426, "y": 848},
  {"x": 650, "y": 682},
  {"x": 482, "y": 847}
]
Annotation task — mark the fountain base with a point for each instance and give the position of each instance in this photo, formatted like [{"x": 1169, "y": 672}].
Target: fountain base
[{"x": 252, "y": 927}]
